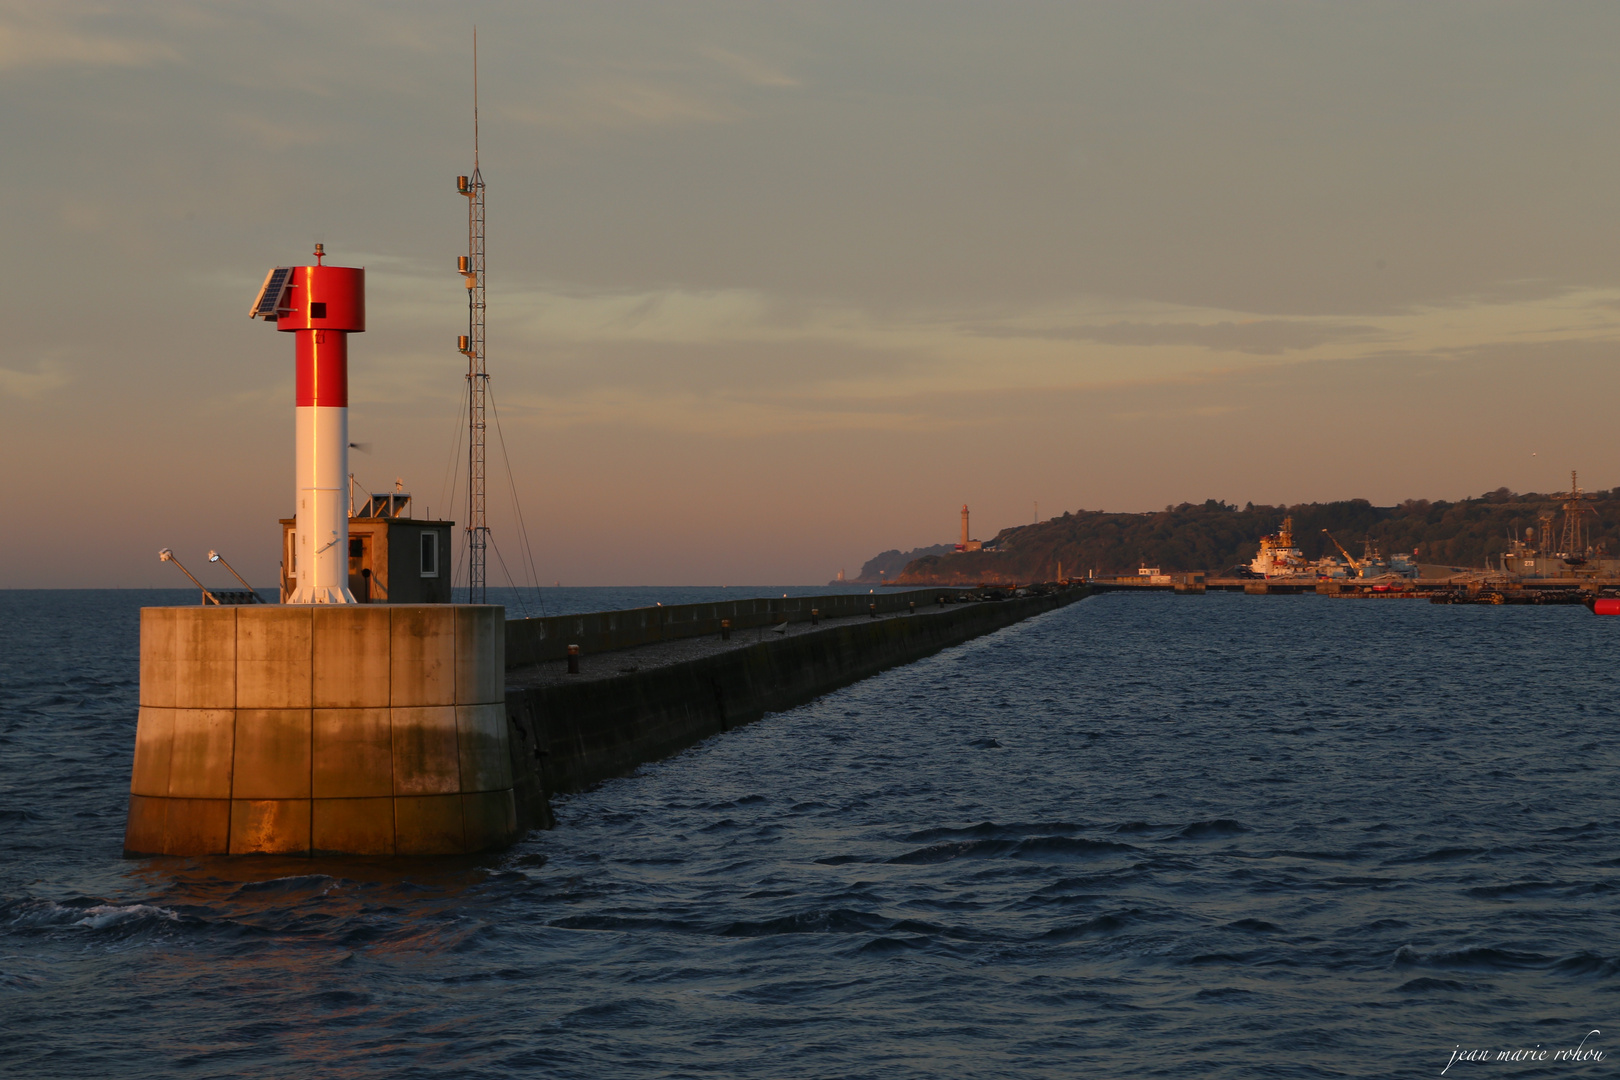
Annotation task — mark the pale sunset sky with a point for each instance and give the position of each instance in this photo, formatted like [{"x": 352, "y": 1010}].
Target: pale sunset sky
[{"x": 775, "y": 287}]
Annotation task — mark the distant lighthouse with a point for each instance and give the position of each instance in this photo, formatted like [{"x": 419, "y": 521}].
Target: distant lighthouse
[
  {"x": 321, "y": 305},
  {"x": 964, "y": 526}
]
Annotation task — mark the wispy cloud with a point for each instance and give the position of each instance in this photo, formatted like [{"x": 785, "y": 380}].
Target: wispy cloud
[
  {"x": 46, "y": 377},
  {"x": 623, "y": 103},
  {"x": 37, "y": 35},
  {"x": 676, "y": 86},
  {"x": 277, "y": 135},
  {"x": 749, "y": 69},
  {"x": 1262, "y": 337},
  {"x": 749, "y": 361}
]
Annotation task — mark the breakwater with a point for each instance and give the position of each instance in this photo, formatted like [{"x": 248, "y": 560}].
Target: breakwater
[
  {"x": 567, "y": 736},
  {"x": 530, "y": 641}
]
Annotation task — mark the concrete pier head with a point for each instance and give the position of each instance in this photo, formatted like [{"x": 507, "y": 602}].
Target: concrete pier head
[{"x": 354, "y": 729}]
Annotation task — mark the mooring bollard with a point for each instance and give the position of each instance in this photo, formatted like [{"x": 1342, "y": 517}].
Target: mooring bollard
[
  {"x": 725, "y": 629},
  {"x": 871, "y": 611},
  {"x": 815, "y": 616},
  {"x": 913, "y": 605},
  {"x": 573, "y": 659}
]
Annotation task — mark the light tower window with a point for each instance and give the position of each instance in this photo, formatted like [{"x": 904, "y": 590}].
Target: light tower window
[
  {"x": 430, "y": 554},
  {"x": 317, "y": 309}
]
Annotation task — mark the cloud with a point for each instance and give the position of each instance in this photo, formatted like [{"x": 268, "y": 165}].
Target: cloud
[
  {"x": 278, "y": 135},
  {"x": 622, "y": 104},
  {"x": 749, "y": 69},
  {"x": 46, "y": 377},
  {"x": 668, "y": 87},
  {"x": 39, "y": 36},
  {"x": 740, "y": 361},
  {"x": 1265, "y": 337}
]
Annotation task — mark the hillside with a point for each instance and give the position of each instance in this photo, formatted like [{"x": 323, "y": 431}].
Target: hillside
[
  {"x": 1213, "y": 536},
  {"x": 888, "y": 565}
]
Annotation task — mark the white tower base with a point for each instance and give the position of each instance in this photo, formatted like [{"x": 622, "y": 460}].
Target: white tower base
[{"x": 321, "y": 560}]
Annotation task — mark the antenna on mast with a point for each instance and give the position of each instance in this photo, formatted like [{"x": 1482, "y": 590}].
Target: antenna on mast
[{"x": 471, "y": 266}]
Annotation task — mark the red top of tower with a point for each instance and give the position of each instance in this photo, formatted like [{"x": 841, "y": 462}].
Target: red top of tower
[{"x": 324, "y": 298}]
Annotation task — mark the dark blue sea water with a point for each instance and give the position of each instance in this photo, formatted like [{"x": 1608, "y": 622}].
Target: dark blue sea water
[{"x": 1223, "y": 836}]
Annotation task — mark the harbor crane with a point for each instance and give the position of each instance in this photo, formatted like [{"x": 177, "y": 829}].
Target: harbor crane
[{"x": 1355, "y": 564}]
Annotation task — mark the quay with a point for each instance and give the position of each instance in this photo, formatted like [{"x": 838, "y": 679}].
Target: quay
[{"x": 1458, "y": 585}]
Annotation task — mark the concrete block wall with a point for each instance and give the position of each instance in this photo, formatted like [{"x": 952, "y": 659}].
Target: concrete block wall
[
  {"x": 358, "y": 730},
  {"x": 530, "y": 641}
]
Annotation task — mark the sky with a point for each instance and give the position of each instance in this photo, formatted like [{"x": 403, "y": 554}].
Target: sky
[{"x": 776, "y": 287}]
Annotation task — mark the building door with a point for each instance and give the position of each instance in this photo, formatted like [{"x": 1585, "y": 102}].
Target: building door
[{"x": 360, "y": 569}]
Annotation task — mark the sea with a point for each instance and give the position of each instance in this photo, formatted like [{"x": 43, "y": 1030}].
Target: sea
[{"x": 1140, "y": 836}]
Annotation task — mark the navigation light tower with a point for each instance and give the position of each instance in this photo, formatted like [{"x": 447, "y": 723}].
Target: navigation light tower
[{"x": 321, "y": 306}]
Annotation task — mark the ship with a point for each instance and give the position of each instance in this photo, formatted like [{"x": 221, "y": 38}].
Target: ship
[
  {"x": 1571, "y": 555},
  {"x": 1279, "y": 557},
  {"x": 1372, "y": 564}
]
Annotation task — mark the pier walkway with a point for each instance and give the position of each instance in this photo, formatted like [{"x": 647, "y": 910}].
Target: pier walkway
[{"x": 612, "y": 663}]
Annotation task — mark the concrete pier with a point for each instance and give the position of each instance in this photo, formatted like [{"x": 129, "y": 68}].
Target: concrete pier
[
  {"x": 399, "y": 730},
  {"x": 641, "y": 704},
  {"x": 342, "y": 729}
]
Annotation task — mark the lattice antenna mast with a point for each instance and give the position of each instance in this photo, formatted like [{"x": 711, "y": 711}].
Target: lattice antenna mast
[
  {"x": 472, "y": 270},
  {"x": 1574, "y": 541}
]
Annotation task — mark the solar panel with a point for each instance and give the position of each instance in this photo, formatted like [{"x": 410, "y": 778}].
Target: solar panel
[{"x": 270, "y": 294}]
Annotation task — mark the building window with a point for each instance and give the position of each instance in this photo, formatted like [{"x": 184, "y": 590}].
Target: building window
[{"x": 430, "y": 554}]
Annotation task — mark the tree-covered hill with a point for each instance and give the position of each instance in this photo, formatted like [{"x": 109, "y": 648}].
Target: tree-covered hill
[
  {"x": 885, "y": 567},
  {"x": 1214, "y": 536}
]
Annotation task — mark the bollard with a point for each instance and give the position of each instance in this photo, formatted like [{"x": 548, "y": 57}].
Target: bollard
[
  {"x": 871, "y": 610},
  {"x": 573, "y": 659},
  {"x": 913, "y": 606},
  {"x": 725, "y": 629},
  {"x": 941, "y": 599},
  {"x": 815, "y": 616}
]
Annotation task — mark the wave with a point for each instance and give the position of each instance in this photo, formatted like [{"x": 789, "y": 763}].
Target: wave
[
  {"x": 1588, "y": 963},
  {"x": 836, "y": 921},
  {"x": 18, "y": 982},
  {"x": 1042, "y": 848},
  {"x": 1424, "y": 984},
  {"x": 1205, "y": 830},
  {"x": 888, "y": 946},
  {"x": 1477, "y": 958},
  {"x": 284, "y": 886},
  {"x": 1518, "y": 888},
  {"x": 622, "y": 922},
  {"x": 991, "y": 829},
  {"x": 1107, "y": 925}
]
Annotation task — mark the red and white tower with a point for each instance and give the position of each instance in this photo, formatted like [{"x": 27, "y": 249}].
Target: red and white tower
[{"x": 321, "y": 305}]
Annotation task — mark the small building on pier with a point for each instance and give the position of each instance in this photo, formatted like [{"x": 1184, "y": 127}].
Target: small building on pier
[{"x": 393, "y": 557}]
